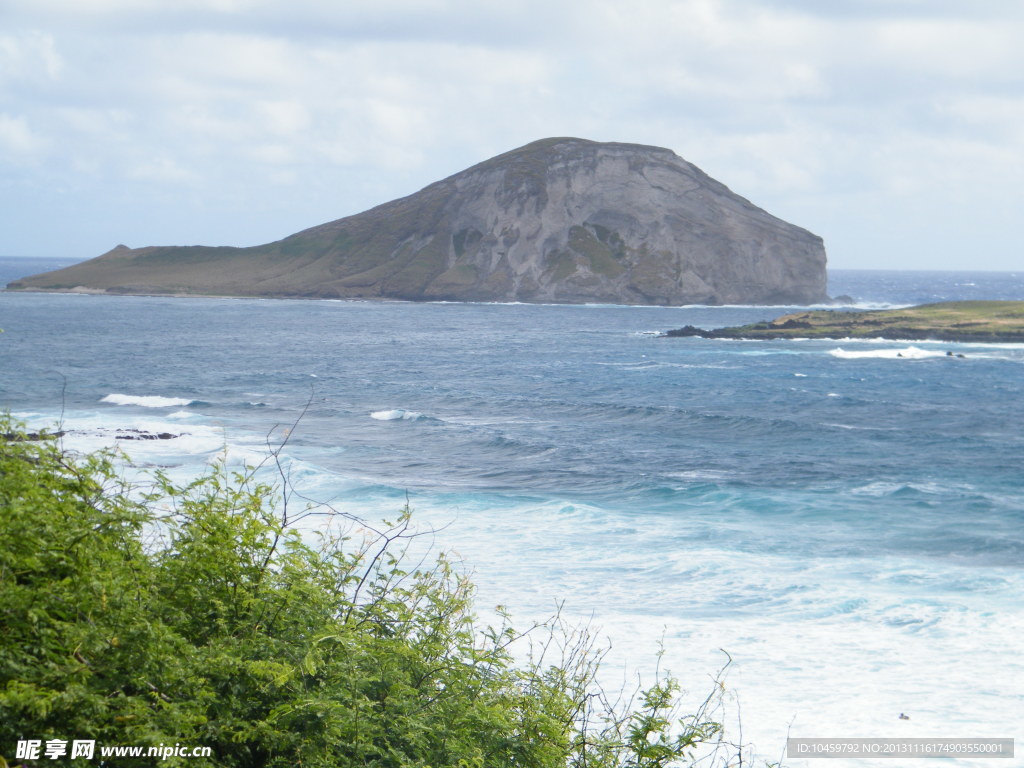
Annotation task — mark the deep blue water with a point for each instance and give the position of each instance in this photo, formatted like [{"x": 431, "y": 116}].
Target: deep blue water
[
  {"x": 881, "y": 287},
  {"x": 12, "y": 267},
  {"x": 843, "y": 520}
]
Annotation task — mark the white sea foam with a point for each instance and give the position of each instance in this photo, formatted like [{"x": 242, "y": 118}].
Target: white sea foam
[
  {"x": 860, "y": 427},
  {"x": 700, "y": 474},
  {"x": 396, "y": 414},
  {"x": 867, "y": 305},
  {"x": 882, "y": 488},
  {"x": 862, "y": 636},
  {"x": 878, "y": 340},
  {"x": 852, "y": 631},
  {"x": 136, "y": 435},
  {"x": 906, "y": 353},
  {"x": 145, "y": 401},
  {"x": 979, "y": 349},
  {"x": 234, "y": 455}
]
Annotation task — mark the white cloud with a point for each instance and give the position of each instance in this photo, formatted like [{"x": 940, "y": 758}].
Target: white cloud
[
  {"x": 28, "y": 58},
  {"x": 950, "y": 48},
  {"x": 159, "y": 169},
  {"x": 284, "y": 117},
  {"x": 351, "y": 104},
  {"x": 998, "y": 117},
  {"x": 18, "y": 143}
]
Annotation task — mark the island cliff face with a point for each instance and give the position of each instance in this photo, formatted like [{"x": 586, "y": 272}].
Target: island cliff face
[{"x": 559, "y": 220}]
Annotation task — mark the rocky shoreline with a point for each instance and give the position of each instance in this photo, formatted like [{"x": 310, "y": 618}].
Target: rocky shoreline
[{"x": 119, "y": 434}]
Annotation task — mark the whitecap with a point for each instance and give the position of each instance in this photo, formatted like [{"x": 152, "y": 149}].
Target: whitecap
[
  {"x": 860, "y": 427},
  {"x": 236, "y": 456},
  {"x": 907, "y": 353},
  {"x": 700, "y": 474},
  {"x": 395, "y": 414},
  {"x": 150, "y": 401}
]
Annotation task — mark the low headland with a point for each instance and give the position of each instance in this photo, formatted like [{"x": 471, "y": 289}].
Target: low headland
[{"x": 960, "y": 321}]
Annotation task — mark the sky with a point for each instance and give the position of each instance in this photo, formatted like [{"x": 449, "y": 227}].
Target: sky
[{"x": 892, "y": 128}]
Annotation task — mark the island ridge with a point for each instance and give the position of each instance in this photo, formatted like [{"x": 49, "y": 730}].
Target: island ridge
[{"x": 560, "y": 220}]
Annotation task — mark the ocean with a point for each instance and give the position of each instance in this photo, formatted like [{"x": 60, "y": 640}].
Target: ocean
[{"x": 845, "y": 519}]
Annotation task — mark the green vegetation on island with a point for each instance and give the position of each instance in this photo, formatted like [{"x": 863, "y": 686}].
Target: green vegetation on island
[
  {"x": 197, "y": 615},
  {"x": 963, "y": 321}
]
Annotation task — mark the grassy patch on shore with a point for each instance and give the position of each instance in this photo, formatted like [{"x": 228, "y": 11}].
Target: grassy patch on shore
[{"x": 965, "y": 321}]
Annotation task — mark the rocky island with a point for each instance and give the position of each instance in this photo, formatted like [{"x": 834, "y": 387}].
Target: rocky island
[
  {"x": 558, "y": 220},
  {"x": 963, "y": 321}
]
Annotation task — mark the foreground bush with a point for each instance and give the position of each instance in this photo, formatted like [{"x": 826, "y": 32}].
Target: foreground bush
[{"x": 199, "y": 616}]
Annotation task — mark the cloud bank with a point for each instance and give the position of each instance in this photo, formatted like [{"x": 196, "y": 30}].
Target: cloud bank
[{"x": 893, "y": 129}]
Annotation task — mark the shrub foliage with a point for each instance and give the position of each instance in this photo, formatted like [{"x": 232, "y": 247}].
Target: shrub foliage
[{"x": 198, "y": 615}]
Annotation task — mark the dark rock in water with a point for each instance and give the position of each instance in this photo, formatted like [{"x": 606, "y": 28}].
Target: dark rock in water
[
  {"x": 138, "y": 434},
  {"x": 687, "y": 330},
  {"x": 15, "y": 437},
  {"x": 559, "y": 220},
  {"x": 119, "y": 434}
]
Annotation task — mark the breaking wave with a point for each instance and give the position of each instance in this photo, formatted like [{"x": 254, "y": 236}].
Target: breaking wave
[
  {"x": 396, "y": 414},
  {"x": 909, "y": 353},
  {"x": 146, "y": 401}
]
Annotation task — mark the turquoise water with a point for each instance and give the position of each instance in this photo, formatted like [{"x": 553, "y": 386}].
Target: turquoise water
[{"x": 846, "y": 519}]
